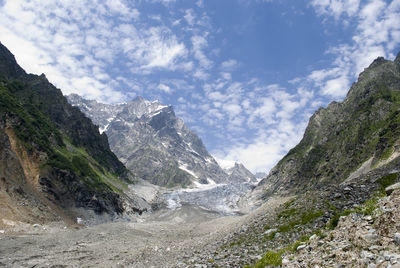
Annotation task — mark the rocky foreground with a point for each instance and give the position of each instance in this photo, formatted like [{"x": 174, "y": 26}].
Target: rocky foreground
[
  {"x": 357, "y": 241},
  {"x": 194, "y": 237},
  {"x": 167, "y": 238}
]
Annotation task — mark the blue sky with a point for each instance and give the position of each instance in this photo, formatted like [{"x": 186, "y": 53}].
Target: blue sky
[{"x": 244, "y": 74}]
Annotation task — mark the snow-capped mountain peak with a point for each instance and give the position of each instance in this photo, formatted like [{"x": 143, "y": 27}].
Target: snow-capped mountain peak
[{"x": 153, "y": 143}]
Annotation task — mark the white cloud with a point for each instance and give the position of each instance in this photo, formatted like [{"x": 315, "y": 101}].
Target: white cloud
[
  {"x": 119, "y": 7},
  {"x": 71, "y": 43},
  {"x": 376, "y": 33},
  {"x": 165, "y": 88},
  {"x": 157, "y": 48},
  {"x": 336, "y": 8},
  {"x": 226, "y": 75},
  {"x": 199, "y": 43},
  {"x": 225, "y": 164},
  {"x": 229, "y": 64},
  {"x": 264, "y": 112},
  {"x": 190, "y": 17},
  {"x": 232, "y": 109},
  {"x": 266, "y": 150}
]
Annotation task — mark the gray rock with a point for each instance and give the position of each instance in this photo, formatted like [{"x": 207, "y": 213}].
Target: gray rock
[
  {"x": 397, "y": 238},
  {"x": 347, "y": 247},
  {"x": 367, "y": 218},
  {"x": 313, "y": 237},
  {"x": 337, "y": 195},
  {"x": 370, "y": 237},
  {"x": 390, "y": 255},
  {"x": 301, "y": 247},
  {"x": 269, "y": 231},
  {"x": 367, "y": 255},
  {"x": 391, "y": 188}
]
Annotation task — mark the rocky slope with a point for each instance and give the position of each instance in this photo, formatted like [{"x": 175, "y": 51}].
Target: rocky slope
[
  {"x": 347, "y": 138},
  {"x": 53, "y": 160},
  {"x": 348, "y": 155},
  {"x": 357, "y": 241},
  {"x": 154, "y": 144}
]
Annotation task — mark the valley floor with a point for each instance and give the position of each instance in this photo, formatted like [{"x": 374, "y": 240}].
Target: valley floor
[{"x": 166, "y": 238}]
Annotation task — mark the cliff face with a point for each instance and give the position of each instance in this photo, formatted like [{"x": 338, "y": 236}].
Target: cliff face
[
  {"x": 346, "y": 139},
  {"x": 153, "y": 143},
  {"x": 51, "y": 152}
]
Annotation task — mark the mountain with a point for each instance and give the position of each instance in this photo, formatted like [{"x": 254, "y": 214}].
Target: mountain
[
  {"x": 332, "y": 199},
  {"x": 347, "y": 139},
  {"x": 51, "y": 155},
  {"x": 260, "y": 175},
  {"x": 240, "y": 173},
  {"x": 153, "y": 143}
]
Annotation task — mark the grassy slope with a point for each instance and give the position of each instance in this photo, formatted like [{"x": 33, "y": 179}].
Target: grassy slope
[{"x": 36, "y": 132}]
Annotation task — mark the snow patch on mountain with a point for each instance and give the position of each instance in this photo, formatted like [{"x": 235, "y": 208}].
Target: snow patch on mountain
[{"x": 184, "y": 168}]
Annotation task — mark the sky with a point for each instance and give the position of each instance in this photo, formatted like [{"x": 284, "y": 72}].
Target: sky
[{"x": 246, "y": 75}]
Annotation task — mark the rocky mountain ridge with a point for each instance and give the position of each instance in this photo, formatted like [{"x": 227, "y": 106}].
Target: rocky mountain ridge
[
  {"x": 52, "y": 156},
  {"x": 347, "y": 138},
  {"x": 156, "y": 145}
]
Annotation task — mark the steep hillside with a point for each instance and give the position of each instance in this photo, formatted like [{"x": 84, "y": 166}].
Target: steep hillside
[
  {"x": 51, "y": 153},
  {"x": 348, "y": 138},
  {"x": 153, "y": 143},
  {"x": 336, "y": 178}
]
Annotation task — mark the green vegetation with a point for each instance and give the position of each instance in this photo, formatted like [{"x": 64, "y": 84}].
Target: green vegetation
[
  {"x": 36, "y": 132},
  {"x": 287, "y": 213},
  {"x": 367, "y": 208},
  {"x": 33, "y": 129},
  {"x": 388, "y": 180},
  {"x": 270, "y": 236},
  {"x": 270, "y": 258},
  {"x": 86, "y": 167},
  {"x": 372, "y": 125},
  {"x": 293, "y": 247},
  {"x": 301, "y": 219},
  {"x": 333, "y": 222}
]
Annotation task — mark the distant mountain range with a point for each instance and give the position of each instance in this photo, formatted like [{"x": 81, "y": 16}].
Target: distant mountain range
[{"x": 156, "y": 145}]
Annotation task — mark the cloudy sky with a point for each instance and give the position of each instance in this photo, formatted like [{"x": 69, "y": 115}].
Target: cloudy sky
[{"x": 244, "y": 74}]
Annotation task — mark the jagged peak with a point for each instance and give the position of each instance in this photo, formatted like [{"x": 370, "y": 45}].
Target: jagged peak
[
  {"x": 378, "y": 61},
  {"x": 9, "y": 67}
]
